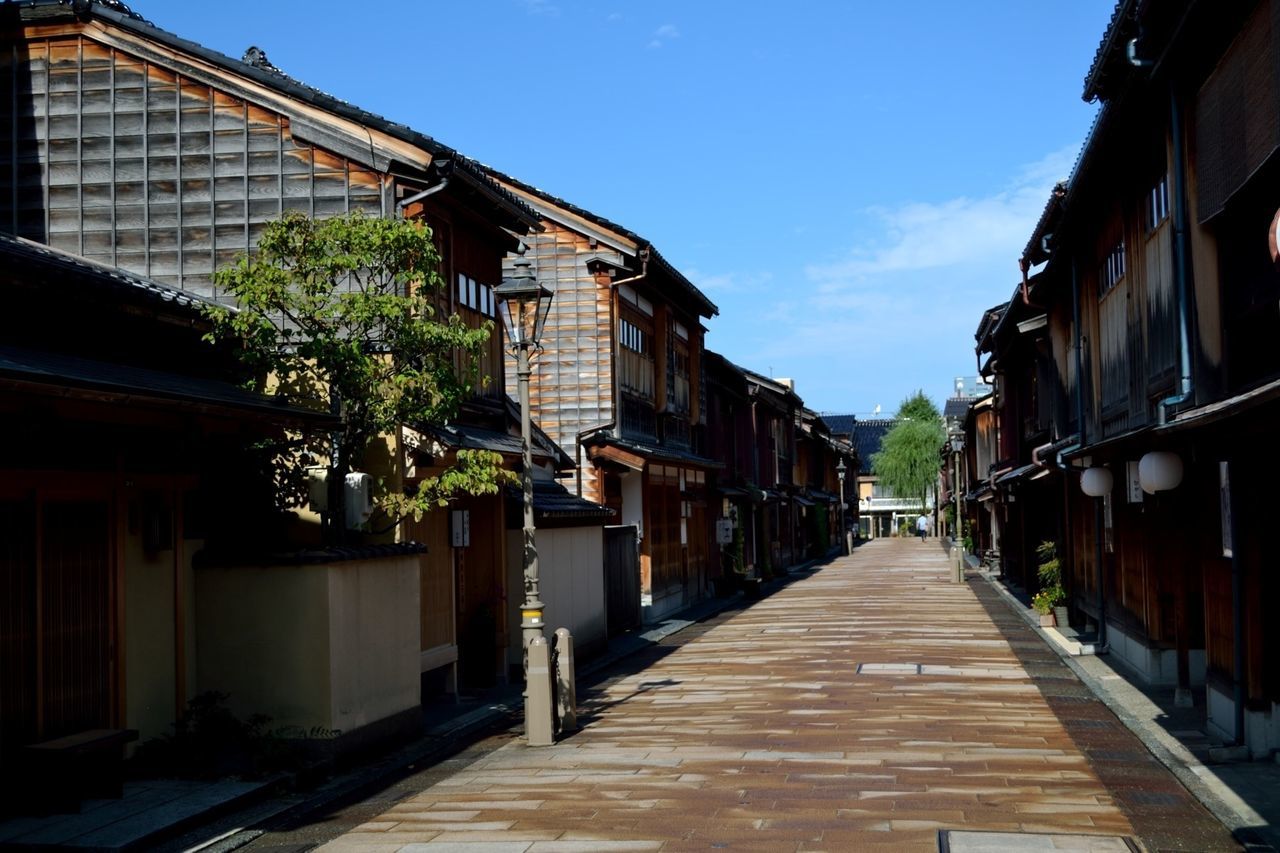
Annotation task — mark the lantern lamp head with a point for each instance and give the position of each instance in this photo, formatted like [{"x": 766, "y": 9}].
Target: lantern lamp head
[
  {"x": 524, "y": 305},
  {"x": 1096, "y": 481},
  {"x": 1159, "y": 471}
]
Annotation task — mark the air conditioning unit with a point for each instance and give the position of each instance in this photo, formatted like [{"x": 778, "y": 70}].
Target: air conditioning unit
[
  {"x": 318, "y": 488},
  {"x": 359, "y": 495}
]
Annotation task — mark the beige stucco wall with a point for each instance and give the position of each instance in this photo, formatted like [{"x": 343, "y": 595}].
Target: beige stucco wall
[
  {"x": 150, "y": 697},
  {"x": 571, "y": 580},
  {"x": 373, "y": 640},
  {"x": 333, "y": 645}
]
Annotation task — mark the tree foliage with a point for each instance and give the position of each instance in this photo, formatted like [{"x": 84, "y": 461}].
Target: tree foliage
[
  {"x": 339, "y": 315},
  {"x": 907, "y": 463}
]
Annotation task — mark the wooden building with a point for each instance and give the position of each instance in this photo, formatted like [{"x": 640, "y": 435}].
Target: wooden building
[
  {"x": 777, "y": 482},
  {"x": 1157, "y": 298},
  {"x": 141, "y": 150},
  {"x": 123, "y": 453},
  {"x": 818, "y": 517},
  {"x": 731, "y": 443},
  {"x": 620, "y": 380},
  {"x": 775, "y": 409}
]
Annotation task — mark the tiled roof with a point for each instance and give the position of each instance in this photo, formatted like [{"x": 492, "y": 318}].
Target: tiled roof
[
  {"x": 469, "y": 437},
  {"x": 956, "y": 407},
  {"x": 66, "y": 371},
  {"x": 707, "y": 307},
  {"x": 552, "y": 500},
  {"x": 1125, "y": 12},
  {"x": 652, "y": 451},
  {"x": 256, "y": 66},
  {"x": 841, "y": 424},
  {"x": 867, "y": 436},
  {"x": 33, "y": 262}
]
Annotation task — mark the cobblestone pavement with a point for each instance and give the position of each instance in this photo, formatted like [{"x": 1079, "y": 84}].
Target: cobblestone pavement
[{"x": 871, "y": 704}]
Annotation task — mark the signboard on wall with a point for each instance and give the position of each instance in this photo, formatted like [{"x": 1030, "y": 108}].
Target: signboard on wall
[
  {"x": 1224, "y": 500},
  {"x": 724, "y": 531},
  {"x": 460, "y": 528},
  {"x": 1134, "y": 482}
]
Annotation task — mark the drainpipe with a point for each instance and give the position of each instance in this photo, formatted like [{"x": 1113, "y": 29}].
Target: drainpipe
[
  {"x": 442, "y": 167},
  {"x": 613, "y": 363},
  {"x": 1182, "y": 274},
  {"x": 1237, "y": 612},
  {"x": 1079, "y": 348}
]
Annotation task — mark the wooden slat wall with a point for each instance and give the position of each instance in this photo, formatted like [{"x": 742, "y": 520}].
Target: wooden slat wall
[
  {"x": 1161, "y": 321},
  {"x": 17, "y": 624},
  {"x": 572, "y": 384},
  {"x": 1114, "y": 351},
  {"x": 107, "y": 155},
  {"x": 436, "y": 579},
  {"x": 75, "y": 613}
]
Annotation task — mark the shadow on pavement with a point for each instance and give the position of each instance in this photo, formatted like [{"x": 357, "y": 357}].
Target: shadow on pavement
[{"x": 1163, "y": 812}]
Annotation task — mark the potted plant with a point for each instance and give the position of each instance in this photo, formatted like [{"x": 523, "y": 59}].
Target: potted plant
[{"x": 1051, "y": 593}]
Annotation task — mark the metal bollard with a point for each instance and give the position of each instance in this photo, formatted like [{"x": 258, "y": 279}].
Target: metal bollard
[
  {"x": 566, "y": 690},
  {"x": 539, "y": 728}
]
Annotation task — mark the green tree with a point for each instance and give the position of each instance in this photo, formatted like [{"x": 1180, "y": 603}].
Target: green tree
[
  {"x": 339, "y": 315},
  {"x": 907, "y": 463}
]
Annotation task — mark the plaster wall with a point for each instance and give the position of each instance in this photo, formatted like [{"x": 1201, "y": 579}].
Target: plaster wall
[
  {"x": 633, "y": 501},
  {"x": 149, "y": 639},
  {"x": 333, "y": 645},
  {"x": 571, "y": 581}
]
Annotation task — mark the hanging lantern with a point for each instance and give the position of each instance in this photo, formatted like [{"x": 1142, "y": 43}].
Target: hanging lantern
[
  {"x": 1096, "y": 481},
  {"x": 1159, "y": 471}
]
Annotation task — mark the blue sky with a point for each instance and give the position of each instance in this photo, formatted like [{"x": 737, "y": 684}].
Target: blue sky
[{"x": 851, "y": 182}]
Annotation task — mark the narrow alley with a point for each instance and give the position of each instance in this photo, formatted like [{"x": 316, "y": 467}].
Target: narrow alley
[{"x": 869, "y": 703}]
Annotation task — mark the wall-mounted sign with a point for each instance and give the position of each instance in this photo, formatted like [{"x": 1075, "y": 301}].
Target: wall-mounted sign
[
  {"x": 460, "y": 528},
  {"x": 724, "y": 531},
  {"x": 1224, "y": 493},
  {"x": 1133, "y": 482}
]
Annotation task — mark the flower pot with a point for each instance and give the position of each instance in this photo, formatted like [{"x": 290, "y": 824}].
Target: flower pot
[{"x": 1048, "y": 620}]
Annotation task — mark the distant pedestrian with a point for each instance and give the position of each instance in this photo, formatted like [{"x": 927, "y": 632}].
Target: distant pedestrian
[{"x": 922, "y": 526}]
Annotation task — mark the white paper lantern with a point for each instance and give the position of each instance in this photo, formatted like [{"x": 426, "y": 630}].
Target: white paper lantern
[
  {"x": 1096, "y": 482},
  {"x": 1159, "y": 471}
]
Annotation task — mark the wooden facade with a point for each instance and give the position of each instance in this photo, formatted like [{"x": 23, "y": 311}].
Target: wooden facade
[
  {"x": 620, "y": 380},
  {"x": 129, "y": 146},
  {"x": 1157, "y": 294},
  {"x": 99, "y": 540}
]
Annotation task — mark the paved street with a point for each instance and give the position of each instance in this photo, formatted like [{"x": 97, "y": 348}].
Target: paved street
[{"x": 869, "y": 704}]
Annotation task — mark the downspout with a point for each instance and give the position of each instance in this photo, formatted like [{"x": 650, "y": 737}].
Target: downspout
[
  {"x": 1181, "y": 272},
  {"x": 1079, "y": 348},
  {"x": 1237, "y": 610},
  {"x": 441, "y": 166},
  {"x": 613, "y": 363}
]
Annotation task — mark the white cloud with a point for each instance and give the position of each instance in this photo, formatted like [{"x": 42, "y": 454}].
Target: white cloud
[
  {"x": 663, "y": 34},
  {"x": 898, "y": 310},
  {"x": 541, "y": 7},
  {"x": 728, "y": 282},
  {"x": 957, "y": 232}
]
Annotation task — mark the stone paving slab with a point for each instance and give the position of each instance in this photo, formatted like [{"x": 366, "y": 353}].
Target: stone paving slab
[{"x": 870, "y": 704}]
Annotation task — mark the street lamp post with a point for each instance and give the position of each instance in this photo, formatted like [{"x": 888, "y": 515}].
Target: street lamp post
[
  {"x": 524, "y": 307},
  {"x": 841, "y": 469}
]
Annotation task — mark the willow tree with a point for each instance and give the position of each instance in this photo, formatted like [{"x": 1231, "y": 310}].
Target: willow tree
[
  {"x": 907, "y": 463},
  {"x": 340, "y": 315}
]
